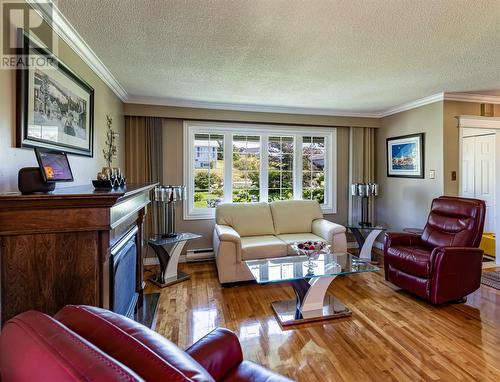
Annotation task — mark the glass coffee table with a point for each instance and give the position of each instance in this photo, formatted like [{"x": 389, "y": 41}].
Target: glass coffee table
[{"x": 310, "y": 278}]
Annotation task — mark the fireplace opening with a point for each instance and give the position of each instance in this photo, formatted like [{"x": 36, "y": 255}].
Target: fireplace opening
[{"x": 124, "y": 261}]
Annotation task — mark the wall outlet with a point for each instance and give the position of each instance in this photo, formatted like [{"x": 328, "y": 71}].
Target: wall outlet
[
  {"x": 453, "y": 175},
  {"x": 432, "y": 174}
]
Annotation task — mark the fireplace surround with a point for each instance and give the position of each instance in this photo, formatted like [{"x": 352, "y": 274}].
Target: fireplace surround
[{"x": 73, "y": 246}]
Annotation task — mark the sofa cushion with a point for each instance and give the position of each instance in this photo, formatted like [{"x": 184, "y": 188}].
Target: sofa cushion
[
  {"x": 248, "y": 219},
  {"x": 34, "y": 346},
  {"x": 411, "y": 260},
  {"x": 291, "y": 238},
  {"x": 454, "y": 222},
  {"x": 146, "y": 352},
  {"x": 295, "y": 216},
  {"x": 262, "y": 247}
]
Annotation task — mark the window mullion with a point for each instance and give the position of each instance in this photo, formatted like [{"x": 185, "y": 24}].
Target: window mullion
[
  {"x": 326, "y": 171},
  {"x": 264, "y": 163},
  {"x": 188, "y": 171},
  {"x": 297, "y": 167},
  {"x": 228, "y": 168}
]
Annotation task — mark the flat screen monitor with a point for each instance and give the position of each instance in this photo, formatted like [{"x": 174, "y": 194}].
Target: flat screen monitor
[{"x": 54, "y": 166}]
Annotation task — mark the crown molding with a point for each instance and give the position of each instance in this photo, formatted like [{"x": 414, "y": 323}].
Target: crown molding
[
  {"x": 246, "y": 107},
  {"x": 438, "y": 97},
  {"x": 68, "y": 33},
  {"x": 412, "y": 105},
  {"x": 472, "y": 97}
]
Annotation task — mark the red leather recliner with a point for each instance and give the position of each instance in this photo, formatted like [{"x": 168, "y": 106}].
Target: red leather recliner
[
  {"x": 83, "y": 343},
  {"x": 444, "y": 263}
]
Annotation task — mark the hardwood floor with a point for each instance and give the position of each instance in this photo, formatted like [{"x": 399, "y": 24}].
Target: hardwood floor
[{"x": 390, "y": 336}]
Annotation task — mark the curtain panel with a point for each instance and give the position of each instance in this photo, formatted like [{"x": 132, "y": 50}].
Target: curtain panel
[
  {"x": 144, "y": 155},
  {"x": 361, "y": 167}
]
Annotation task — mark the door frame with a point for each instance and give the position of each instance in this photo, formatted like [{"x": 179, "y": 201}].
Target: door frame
[{"x": 482, "y": 123}]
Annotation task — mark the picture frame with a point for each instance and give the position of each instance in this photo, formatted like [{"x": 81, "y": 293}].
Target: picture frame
[
  {"x": 55, "y": 106},
  {"x": 406, "y": 156}
]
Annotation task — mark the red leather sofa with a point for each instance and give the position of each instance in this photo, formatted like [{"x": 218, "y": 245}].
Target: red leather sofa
[
  {"x": 444, "y": 263},
  {"x": 83, "y": 343}
]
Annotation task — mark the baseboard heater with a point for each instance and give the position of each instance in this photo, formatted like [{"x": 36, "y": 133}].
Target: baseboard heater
[{"x": 202, "y": 254}]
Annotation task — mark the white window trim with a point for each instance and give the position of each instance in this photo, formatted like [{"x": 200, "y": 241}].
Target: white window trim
[{"x": 228, "y": 130}]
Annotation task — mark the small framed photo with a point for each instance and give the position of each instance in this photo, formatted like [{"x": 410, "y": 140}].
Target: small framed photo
[{"x": 405, "y": 156}]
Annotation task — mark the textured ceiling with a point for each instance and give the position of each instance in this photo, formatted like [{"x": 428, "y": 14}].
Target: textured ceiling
[{"x": 339, "y": 55}]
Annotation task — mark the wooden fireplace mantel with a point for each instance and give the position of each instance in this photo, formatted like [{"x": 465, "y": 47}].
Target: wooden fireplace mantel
[{"x": 55, "y": 249}]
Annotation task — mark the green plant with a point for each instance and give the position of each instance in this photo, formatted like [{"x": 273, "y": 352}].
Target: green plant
[
  {"x": 205, "y": 180},
  {"x": 246, "y": 162}
]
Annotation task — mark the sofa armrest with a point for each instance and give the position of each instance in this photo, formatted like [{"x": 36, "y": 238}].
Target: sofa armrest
[
  {"x": 227, "y": 233},
  {"x": 218, "y": 352},
  {"x": 392, "y": 239},
  {"x": 456, "y": 272},
  {"x": 327, "y": 229},
  {"x": 451, "y": 259}
]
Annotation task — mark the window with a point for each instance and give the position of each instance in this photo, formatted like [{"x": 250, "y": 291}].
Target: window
[
  {"x": 208, "y": 170},
  {"x": 313, "y": 165},
  {"x": 280, "y": 168},
  {"x": 246, "y": 168},
  {"x": 236, "y": 163}
]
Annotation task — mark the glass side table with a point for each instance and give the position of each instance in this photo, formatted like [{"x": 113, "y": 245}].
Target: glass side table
[
  {"x": 168, "y": 250},
  {"x": 365, "y": 236}
]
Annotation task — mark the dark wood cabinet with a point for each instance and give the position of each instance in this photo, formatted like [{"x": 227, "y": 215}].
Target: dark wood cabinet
[{"x": 57, "y": 249}]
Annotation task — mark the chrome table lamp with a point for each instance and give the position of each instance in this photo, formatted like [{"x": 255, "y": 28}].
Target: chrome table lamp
[
  {"x": 165, "y": 198},
  {"x": 365, "y": 191}
]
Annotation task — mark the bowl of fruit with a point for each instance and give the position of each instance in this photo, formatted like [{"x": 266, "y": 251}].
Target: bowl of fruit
[{"x": 311, "y": 248}]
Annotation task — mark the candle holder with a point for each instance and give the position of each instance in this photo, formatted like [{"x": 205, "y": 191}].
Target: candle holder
[
  {"x": 109, "y": 178},
  {"x": 365, "y": 191}
]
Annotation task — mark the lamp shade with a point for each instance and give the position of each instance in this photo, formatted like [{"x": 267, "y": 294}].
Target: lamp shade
[
  {"x": 169, "y": 193},
  {"x": 364, "y": 189}
]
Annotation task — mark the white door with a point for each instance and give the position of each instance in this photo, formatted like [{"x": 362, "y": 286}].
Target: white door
[
  {"x": 468, "y": 164},
  {"x": 485, "y": 176}
]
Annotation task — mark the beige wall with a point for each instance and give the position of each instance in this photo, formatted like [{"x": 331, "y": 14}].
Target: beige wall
[
  {"x": 173, "y": 174},
  {"x": 173, "y": 149},
  {"x": 451, "y": 110},
  {"x": 405, "y": 202},
  {"x": 84, "y": 168}
]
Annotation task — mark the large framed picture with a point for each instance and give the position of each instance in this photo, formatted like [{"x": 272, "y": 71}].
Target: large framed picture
[
  {"x": 405, "y": 156},
  {"x": 55, "y": 107}
]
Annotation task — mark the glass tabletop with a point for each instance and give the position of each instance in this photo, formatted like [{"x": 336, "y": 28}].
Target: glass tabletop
[
  {"x": 159, "y": 240},
  {"x": 373, "y": 226},
  {"x": 303, "y": 267}
]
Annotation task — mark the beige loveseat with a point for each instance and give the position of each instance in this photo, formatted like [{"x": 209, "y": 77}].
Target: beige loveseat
[{"x": 247, "y": 231}]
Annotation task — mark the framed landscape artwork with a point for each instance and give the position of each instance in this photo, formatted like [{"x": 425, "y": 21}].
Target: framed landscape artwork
[
  {"x": 55, "y": 107},
  {"x": 405, "y": 156}
]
